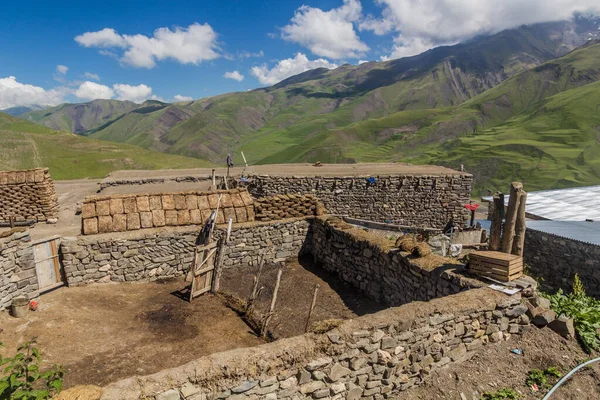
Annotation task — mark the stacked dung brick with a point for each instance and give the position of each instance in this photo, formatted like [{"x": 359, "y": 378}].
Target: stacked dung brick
[
  {"x": 27, "y": 196},
  {"x": 118, "y": 213},
  {"x": 273, "y": 208}
]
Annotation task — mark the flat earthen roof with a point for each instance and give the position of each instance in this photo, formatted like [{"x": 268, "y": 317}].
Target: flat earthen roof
[{"x": 363, "y": 169}]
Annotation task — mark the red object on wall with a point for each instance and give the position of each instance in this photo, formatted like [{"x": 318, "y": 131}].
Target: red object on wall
[{"x": 472, "y": 207}]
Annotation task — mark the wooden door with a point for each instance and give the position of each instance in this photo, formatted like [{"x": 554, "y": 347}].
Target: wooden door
[
  {"x": 203, "y": 269},
  {"x": 47, "y": 264}
]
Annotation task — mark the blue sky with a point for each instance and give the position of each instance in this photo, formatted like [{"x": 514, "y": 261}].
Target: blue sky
[{"x": 56, "y": 51}]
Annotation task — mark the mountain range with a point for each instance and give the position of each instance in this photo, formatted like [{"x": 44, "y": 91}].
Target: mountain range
[{"x": 507, "y": 106}]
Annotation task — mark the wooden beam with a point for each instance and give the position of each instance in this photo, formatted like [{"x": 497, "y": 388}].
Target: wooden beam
[
  {"x": 312, "y": 307},
  {"x": 508, "y": 236},
  {"x": 497, "y": 217},
  {"x": 520, "y": 228},
  {"x": 216, "y": 284},
  {"x": 263, "y": 333}
]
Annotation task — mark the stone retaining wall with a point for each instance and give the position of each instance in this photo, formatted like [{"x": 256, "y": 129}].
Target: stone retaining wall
[
  {"x": 273, "y": 208},
  {"x": 372, "y": 264},
  {"x": 17, "y": 268},
  {"x": 118, "y": 213},
  {"x": 371, "y": 357},
  {"x": 27, "y": 196},
  {"x": 556, "y": 260},
  {"x": 420, "y": 201},
  {"x": 154, "y": 253}
]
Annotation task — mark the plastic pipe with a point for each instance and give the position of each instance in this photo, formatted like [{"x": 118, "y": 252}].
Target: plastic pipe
[{"x": 567, "y": 376}]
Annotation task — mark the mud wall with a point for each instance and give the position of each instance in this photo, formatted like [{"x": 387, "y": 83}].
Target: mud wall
[
  {"x": 118, "y": 213},
  {"x": 556, "y": 260},
  {"x": 27, "y": 195},
  {"x": 160, "y": 253},
  {"x": 420, "y": 201},
  {"x": 17, "y": 268},
  {"x": 372, "y": 264},
  {"x": 377, "y": 355}
]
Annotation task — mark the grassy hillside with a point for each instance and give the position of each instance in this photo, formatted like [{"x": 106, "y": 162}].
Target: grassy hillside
[{"x": 26, "y": 145}]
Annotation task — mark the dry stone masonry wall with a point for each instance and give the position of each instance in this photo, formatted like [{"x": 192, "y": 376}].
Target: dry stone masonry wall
[
  {"x": 27, "y": 196},
  {"x": 17, "y": 268},
  {"x": 372, "y": 357},
  {"x": 152, "y": 254},
  {"x": 284, "y": 206},
  {"x": 373, "y": 265},
  {"x": 556, "y": 260},
  {"x": 411, "y": 200},
  {"x": 118, "y": 213}
]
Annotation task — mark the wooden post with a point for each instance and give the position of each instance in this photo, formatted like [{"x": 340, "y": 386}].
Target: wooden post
[
  {"x": 216, "y": 284},
  {"x": 229, "y": 228},
  {"x": 273, "y": 301},
  {"x": 497, "y": 217},
  {"x": 244, "y": 157},
  {"x": 257, "y": 277},
  {"x": 212, "y": 227},
  {"x": 519, "y": 242},
  {"x": 312, "y": 307},
  {"x": 214, "y": 181},
  {"x": 508, "y": 236}
]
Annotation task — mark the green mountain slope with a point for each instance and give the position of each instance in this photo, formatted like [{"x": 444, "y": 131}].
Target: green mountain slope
[
  {"x": 312, "y": 105},
  {"x": 26, "y": 145}
]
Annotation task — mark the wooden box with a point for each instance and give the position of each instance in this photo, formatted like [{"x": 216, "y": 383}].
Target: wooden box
[{"x": 496, "y": 265}]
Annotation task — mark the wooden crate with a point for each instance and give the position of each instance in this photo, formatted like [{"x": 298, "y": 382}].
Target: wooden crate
[{"x": 496, "y": 265}]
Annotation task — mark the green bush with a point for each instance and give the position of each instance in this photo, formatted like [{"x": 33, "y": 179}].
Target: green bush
[
  {"x": 22, "y": 379},
  {"x": 584, "y": 310}
]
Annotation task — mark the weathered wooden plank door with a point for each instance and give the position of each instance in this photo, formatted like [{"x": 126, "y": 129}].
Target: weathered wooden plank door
[
  {"x": 47, "y": 264},
  {"x": 203, "y": 269}
]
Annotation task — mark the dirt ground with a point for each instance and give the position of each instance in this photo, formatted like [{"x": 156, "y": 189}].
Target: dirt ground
[
  {"x": 495, "y": 367},
  {"x": 104, "y": 333},
  {"x": 335, "y": 299}
]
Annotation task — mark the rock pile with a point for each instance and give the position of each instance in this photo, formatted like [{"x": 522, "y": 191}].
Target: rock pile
[
  {"x": 102, "y": 214},
  {"x": 28, "y": 195},
  {"x": 284, "y": 206}
]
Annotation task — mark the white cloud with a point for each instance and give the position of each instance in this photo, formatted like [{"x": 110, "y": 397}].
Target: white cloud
[
  {"x": 421, "y": 25},
  {"x": 327, "y": 33},
  {"x": 14, "y": 93},
  {"x": 92, "y": 91},
  {"x": 107, "y": 37},
  {"x": 362, "y": 62},
  {"x": 190, "y": 45},
  {"x": 234, "y": 75},
  {"x": 178, "y": 97},
  {"x": 90, "y": 75},
  {"x": 288, "y": 67},
  {"x": 137, "y": 94},
  {"x": 62, "y": 69},
  {"x": 247, "y": 54}
]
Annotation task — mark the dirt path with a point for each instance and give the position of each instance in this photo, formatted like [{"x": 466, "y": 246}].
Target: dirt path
[
  {"x": 335, "y": 298},
  {"x": 495, "y": 367},
  {"x": 108, "y": 332}
]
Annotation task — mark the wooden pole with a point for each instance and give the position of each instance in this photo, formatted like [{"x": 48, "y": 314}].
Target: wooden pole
[
  {"x": 312, "y": 307},
  {"x": 214, "y": 181},
  {"x": 273, "y": 301},
  {"x": 216, "y": 284},
  {"x": 212, "y": 228},
  {"x": 229, "y": 228},
  {"x": 508, "y": 236},
  {"x": 520, "y": 228},
  {"x": 244, "y": 157},
  {"x": 257, "y": 277},
  {"x": 497, "y": 217}
]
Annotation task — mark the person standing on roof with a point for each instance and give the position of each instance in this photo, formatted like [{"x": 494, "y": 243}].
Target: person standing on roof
[{"x": 229, "y": 161}]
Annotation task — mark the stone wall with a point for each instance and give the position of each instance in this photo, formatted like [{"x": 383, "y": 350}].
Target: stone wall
[
  {"x": 371, "y": 357},
  {"x": 27, "y": 196},
  {"x": 118, "y": 213},
  {"x": 17, "y": 268},
  {"x": 157, "y": 253},
  {"x": 372, "y": 264},
  {"x": 420, "y": 201},
  {"x": 272, "y": 208},
  {"x": 556, "y": 260}
]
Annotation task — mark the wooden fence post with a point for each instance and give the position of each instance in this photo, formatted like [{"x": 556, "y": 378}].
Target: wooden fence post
[
  {"x": 497, "y": 217},
  {"x": 516, "y": 191},
  {"x": 520, "y": 228}
]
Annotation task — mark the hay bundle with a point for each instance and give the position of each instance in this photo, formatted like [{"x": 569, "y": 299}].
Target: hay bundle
[
  {"x": 406, "y": 243},
  {"x": 421, "y": 250}
]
